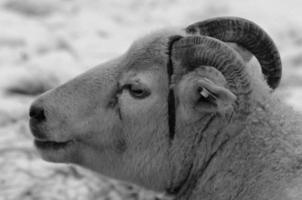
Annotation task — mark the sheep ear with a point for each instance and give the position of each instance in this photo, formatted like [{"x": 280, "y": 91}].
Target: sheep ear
[
  {"x": 210, "y": 97},
  {"x": 245, "y": 54}
]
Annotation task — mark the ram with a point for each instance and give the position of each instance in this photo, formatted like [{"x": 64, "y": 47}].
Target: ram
[{"x": 181, "y": 112}]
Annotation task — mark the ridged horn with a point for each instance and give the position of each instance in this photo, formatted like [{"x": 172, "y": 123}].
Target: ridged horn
[
  {"x": 250, "y": 36},
  {"x": 191, "y": 52}
]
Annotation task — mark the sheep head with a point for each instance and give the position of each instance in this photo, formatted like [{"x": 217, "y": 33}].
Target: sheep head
[{"x": 146, "y": 116}]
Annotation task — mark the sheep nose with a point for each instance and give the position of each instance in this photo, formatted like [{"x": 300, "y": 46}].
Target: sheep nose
[{"x": 37, "y": 112}]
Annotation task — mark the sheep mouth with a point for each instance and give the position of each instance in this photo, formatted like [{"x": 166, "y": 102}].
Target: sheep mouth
[{"x": 52, "y": 145}]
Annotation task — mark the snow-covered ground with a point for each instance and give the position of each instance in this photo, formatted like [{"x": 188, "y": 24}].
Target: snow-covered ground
[{"x": 46, "y": 42}]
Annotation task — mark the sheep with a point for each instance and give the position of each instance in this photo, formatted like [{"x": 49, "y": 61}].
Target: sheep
[{"x": 181, "y": 112}]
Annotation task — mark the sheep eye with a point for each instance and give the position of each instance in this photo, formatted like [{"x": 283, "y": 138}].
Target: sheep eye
[{"x": 138, "y": 91}]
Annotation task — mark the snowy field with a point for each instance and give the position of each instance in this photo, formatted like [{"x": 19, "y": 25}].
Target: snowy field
[{"x": 43, "y": 43}]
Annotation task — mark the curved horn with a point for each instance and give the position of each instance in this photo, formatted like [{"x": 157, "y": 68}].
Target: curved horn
[
  {"x": 193, "y": 51},
  {"x": 248, "y": 35}
]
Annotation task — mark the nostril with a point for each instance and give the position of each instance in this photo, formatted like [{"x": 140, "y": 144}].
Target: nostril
[{"x": 37, "y": 112}]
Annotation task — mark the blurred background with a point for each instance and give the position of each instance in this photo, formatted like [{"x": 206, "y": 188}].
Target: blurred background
[{"x": 43, "y": 43}]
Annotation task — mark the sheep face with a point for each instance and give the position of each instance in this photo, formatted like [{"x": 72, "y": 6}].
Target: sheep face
[
  {"x": 160, "y": 114},
  {"x": 114, "y": 118}
]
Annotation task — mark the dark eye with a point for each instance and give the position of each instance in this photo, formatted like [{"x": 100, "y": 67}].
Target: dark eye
[{"x": 138, "y": 91}]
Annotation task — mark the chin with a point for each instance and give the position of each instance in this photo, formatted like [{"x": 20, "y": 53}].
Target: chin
[{"x": 58, "y": 152}]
